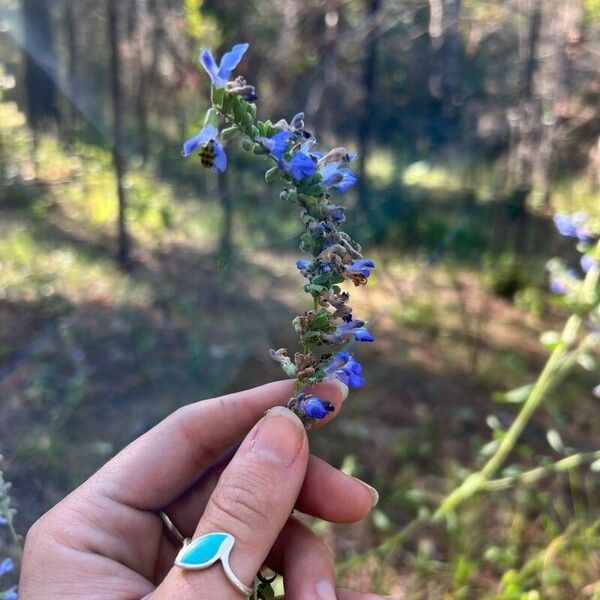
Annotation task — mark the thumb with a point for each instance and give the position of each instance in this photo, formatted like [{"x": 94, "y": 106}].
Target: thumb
[{"x": 252, "y": 501}]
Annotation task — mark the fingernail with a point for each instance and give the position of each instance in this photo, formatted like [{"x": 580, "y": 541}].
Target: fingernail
[
  {"x": 325, "y": 591},
  {"x": 279, "y": 436},
  {"x": 343, "y": 389},
  {"x": 374, "y": 493}
]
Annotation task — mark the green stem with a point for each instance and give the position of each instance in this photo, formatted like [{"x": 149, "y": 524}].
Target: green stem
[
  {"x": 534, "y": 475},
  {"x": 559, "y": 363}
]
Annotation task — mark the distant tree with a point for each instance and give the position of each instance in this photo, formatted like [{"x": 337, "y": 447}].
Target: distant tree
[
  {"x": 70, "y": 34},
  {"x": 369, "y": 80},
  {"x": 40, "y": 62},
  {"x": 118, "y": 137}
]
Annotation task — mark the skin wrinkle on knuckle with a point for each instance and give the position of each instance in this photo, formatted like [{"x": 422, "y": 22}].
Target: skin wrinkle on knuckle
[{"x": 245, "y": 504}]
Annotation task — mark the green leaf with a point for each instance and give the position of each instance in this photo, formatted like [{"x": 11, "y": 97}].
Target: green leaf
[
  {"x": 322, "y": 322},
  {"x": 239, "y": 109},
  {"x": 516, "y": 396},
  {"x": 272, "y": 174},
  {"x": 322, "y": 279},
  {"x": 229, "y": 132},
  {"x": 314, "y": 289}
]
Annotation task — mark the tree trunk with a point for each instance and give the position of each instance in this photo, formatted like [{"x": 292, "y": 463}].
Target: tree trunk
[
  {"x": 71, "y": 43},
  {"x": 40, "y": 63},
  {"x": 118, "y": 140},
  {"x": 364, "y": 129},
  {"x": 451, "y": 84},
  {"x": 563, "y": 30},
  {"x": 138, "y": 31}
]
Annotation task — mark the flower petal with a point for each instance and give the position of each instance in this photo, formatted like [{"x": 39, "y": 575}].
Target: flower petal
[
  {"x": 220, "y": 162},
  {"x": 231, "y": 60},
  {"x": 207, "y": 60},
  {"x": 302, "y": 166},
  {"x": 207, "y": 133}
]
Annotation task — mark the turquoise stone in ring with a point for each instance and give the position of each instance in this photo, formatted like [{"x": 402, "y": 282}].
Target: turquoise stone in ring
[{"x": 206, "y": 551}]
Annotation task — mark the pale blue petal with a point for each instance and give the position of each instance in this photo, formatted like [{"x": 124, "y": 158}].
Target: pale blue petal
[
  {"x": 207, "y": 60},
  {"x": 328, "y": 170},
  {"x": 220, "y": 163},
  {"x": 231, "y": 60},
  {"x": 279, "y": 144},
  {"x": 302, "y": 166},
  {"x": 348, "y": 180},
  {"x": 207, "y": 133}
]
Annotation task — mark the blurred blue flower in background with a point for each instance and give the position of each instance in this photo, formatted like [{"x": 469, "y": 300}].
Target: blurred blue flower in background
[
  {"x": 587, "y": 262},
  {"x": 573, "y": 225},
  {"x": 6, "y": 566}
]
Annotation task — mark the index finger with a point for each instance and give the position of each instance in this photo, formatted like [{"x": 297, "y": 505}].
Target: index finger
[{"x": 164, "y": 462}]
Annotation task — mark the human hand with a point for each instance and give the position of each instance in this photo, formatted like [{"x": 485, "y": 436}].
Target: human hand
[{"x": 106, "y": 540}]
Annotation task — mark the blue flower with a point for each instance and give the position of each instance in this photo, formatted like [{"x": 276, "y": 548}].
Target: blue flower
[
  {"x": 557, "y": 286},
  {"x": 564, "y": 282},
  {"x": 302, "y": 264},
  {"x": 212, "y": 153},
  {"x": 313, "y": 407},
  {"x": 354, "y": 328},
  {"x": 334, "y": 176},
  {"x": 587, "y": 262},
  {"x": 10, "y": 595},
  {"x": 221, "y": 74},
  {"x": 276, "y": 145},
  {"x": 573, "y": 226},
  {"x": 3, "y": 521},
  {"x": 345, "y": 368},
  {"x": 301, "y": 166},
  {"x": 361, "y": 266},
  {"x": 6, "y": 566}
]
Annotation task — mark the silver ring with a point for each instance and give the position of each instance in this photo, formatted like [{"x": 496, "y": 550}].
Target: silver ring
[
  {"x": 205, "y": 551},
  {"x": 171, "y": 529}
]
